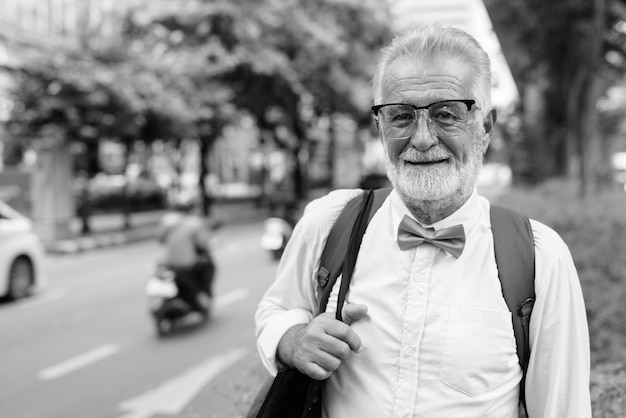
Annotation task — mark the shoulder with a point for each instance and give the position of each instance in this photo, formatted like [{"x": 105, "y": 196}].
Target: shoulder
[
  {"x": 547, "y": 241},
  {"x": 554, "y": 265},
  {"x": 320, "y": 214},
  {"x": 334, "y": 200}
]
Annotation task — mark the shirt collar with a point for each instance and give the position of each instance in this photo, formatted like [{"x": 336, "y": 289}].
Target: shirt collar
[{"x": 467, "y": 215}]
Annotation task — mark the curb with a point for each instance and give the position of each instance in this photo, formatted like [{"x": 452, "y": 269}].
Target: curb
[
  {"x": 101, "y": 240},
  {"x": 145, "y": 231}
]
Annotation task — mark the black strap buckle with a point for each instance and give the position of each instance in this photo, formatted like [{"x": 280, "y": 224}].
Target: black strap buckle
[
  {"x": 322, "y": 277},
  {"x": 526, "y": 308}
]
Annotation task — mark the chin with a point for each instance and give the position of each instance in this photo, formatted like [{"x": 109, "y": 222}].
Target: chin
[
  {"x": 419, "y": 184},
  {"x": 440, "y": 184}
]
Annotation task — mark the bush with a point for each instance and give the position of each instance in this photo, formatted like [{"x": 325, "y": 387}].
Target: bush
[
  {"x": 608, "y": 390},
  {"x": 595, "y": 231}
]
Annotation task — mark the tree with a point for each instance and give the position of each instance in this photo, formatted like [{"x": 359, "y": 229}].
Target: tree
[
  {"x": 60, "y": 100},
  {"x": 82, "y": 97},
  {"x": 566, "y": 53},
  {"x": 281, "y": 62},
  {"x": 189, "y": 47},
  {"x": 330, "y": 45}
]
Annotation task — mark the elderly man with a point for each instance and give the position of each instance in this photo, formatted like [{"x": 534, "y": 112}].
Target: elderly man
[{"x": 428, "y": 333}]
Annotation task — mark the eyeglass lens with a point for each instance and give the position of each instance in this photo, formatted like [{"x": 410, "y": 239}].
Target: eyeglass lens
[{"x": 399, "y": 121}]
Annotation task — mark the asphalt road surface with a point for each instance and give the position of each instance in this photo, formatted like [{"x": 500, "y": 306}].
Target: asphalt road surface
[{"x": 86, "y": 346}]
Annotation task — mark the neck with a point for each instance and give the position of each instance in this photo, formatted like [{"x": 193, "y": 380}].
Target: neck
[{"x": 430, "y": 211}]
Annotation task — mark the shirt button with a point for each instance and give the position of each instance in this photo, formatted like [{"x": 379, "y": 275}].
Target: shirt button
[
  {"x": 409, "y": 351},
  {"x": 420, "y": 277}
]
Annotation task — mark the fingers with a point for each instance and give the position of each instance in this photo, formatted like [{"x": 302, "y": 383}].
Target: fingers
[
  {"x": 326, "y": 334},
  {"x": 325, "y": 342},
  {"x": 324, "y": 365},
  {"x": 325, "y": 359},
  {"x": 343, "y": 333},
  {"x": 316, "y": 372},
  {"x": 353, "y": 312}
]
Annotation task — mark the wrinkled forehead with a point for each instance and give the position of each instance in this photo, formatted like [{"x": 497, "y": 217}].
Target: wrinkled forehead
[{"x": 421, "y": 81}]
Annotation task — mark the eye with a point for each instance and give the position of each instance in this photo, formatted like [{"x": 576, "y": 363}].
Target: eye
[
  {"x": 402, "y": 116},
  {"x": 443, "y": 115},
  {"x": 446, "y": 113},
  {"x": 398, "y": 114}
]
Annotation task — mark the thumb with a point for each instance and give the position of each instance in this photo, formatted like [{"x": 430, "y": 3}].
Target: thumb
[{"x": 353, "y": 312}]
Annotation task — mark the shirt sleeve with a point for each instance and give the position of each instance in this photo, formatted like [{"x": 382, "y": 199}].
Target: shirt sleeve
[
  {"x": 292, "y": 298},
  {"x": 557, "y": 381}
]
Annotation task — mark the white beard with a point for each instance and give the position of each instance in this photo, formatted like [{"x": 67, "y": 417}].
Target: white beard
[{"x": 434, "y": 183}]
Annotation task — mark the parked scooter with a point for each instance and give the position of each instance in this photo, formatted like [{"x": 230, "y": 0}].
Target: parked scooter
[
  {"x": 277, "y": 232},
  {"x": 166, "y": 305}
]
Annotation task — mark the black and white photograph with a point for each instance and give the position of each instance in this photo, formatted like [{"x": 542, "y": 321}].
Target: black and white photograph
[{"x": 312, "y": 209}]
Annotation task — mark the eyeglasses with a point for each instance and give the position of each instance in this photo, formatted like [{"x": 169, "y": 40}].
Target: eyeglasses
[{"x": 448, "y": 118}]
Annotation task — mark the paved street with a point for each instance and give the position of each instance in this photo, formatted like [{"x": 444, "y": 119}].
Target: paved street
[{"x": 86, "y": 345}]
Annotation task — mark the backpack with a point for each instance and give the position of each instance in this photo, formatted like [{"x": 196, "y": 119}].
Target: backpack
[{"x": 514, "y": 252}]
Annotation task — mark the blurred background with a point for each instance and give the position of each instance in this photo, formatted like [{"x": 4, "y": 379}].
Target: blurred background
[{"x": 111, "y": 112}]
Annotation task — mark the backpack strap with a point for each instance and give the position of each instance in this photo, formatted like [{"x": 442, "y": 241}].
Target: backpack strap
[
  {"x": 515, "y": 257},
  {"x": 334, "y": 252},
  {"x": 347, "y": 234}
]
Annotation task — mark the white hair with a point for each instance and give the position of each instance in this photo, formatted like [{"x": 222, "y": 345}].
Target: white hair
[{"x": 431, "y": 42}]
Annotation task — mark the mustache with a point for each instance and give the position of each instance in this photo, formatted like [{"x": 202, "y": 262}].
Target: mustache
[{"x": 432, "y": 154}]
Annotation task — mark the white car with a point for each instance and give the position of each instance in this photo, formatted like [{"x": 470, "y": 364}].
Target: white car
[{"x": 21, "y": 255}]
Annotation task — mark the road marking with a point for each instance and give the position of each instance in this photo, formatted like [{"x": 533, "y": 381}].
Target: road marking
[
  {"x": 171, "y": 397},
  {"x": 78, "y": 362},
  {"x": 231, "y": 297},
  {"x": 43, "y": 298}
]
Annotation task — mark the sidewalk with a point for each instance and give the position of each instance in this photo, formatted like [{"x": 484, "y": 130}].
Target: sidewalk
[{"x": 108, "y": 229}]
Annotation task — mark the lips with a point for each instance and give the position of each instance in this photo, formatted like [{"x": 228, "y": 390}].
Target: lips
[
  {"x": 426, "y": 161},
  {"x": 432, "y": 156}
]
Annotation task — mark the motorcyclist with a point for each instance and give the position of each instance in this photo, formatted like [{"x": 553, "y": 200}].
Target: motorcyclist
[{"x": 185, "y": 237}]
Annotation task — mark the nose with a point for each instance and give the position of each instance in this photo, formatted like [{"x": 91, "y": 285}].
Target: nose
[{"x": 424, "y": 136}]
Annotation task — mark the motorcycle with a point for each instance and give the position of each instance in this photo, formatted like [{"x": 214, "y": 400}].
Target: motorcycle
[
  {"x": 167, "y": 307},
  {"x": 277, "y": 232}
]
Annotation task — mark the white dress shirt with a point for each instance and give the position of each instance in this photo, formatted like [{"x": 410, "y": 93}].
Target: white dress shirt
[{"x": 438, "y": 337}]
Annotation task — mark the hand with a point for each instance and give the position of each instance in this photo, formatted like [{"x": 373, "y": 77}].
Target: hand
[{"x": 318, "y": 348}]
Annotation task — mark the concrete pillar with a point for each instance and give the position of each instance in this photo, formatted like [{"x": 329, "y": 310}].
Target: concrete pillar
[{"x": 53, "y": 206}]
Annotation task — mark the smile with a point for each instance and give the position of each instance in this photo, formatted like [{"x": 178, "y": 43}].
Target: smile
[{"x": 425, "y": 163}]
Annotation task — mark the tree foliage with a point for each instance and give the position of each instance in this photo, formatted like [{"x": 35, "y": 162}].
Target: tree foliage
[
  {"x": 569, "y": 52},
  {"x": 283, "y": 63},
  {"x": 188, "y": 69},
  {"x": 55, "y": 102}
]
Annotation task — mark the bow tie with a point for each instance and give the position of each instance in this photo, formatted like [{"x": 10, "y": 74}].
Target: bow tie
[{"x": 411, "y": 234}]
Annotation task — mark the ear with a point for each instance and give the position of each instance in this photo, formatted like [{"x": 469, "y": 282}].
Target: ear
[
  {"x": 375, "y": 122},
  {"x": 488, "y": 124},
  {"x": 490, "y": 121}
]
